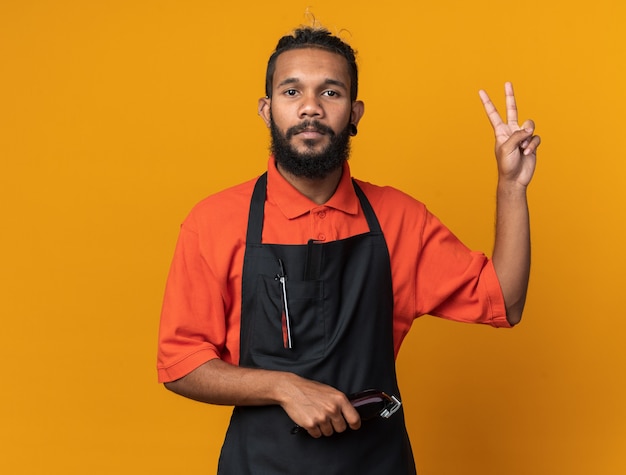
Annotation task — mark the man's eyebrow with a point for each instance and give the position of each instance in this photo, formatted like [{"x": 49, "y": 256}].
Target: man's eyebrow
[
  {"x": 328, "y": 81},
  {"x": 335, "y": 82},
  {"x": 287, "y": 81}
]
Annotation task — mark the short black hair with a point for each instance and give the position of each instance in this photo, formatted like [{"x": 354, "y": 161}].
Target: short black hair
[{"x": 309, "y": 37}]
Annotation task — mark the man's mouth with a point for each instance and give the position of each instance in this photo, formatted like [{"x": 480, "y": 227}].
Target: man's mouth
[{"x": 311, "y": 132}]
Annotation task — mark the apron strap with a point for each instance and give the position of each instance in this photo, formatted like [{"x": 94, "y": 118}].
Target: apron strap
[
  {"x": 372, "y": 220},
  {"x": 257, "y": 210}
]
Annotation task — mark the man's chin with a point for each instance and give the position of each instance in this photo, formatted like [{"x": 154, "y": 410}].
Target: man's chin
[
  {"x": 311, "y": 147},
  {"x": 313, "y": 154}
]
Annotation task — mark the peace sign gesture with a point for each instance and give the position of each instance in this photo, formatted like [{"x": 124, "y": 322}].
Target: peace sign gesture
[{"x": 516, "y": 146}]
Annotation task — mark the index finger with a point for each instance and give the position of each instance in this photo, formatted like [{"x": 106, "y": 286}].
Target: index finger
[
  {"x": 352, "y": 417},
  {"x": 511, "y": 106}
]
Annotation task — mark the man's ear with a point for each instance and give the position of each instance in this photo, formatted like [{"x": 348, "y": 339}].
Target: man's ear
[
  {"x": 265, "y": 110},
  {"x": 358, "y": 109}
]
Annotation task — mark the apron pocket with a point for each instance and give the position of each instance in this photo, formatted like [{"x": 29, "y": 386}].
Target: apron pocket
[{"x": 305, "y": 307}]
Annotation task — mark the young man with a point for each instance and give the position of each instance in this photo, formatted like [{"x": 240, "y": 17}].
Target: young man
[{"x": 292, "y": 292}]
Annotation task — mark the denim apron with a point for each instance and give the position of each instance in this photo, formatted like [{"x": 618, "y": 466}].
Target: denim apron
[{"x": 339, "y": 302}]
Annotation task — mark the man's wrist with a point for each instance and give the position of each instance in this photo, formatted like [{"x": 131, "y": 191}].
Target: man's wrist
[{"x": 508, "y": 189}]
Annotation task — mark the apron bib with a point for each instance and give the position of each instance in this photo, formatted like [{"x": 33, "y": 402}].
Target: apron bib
[{"x": 339, "y": 303}]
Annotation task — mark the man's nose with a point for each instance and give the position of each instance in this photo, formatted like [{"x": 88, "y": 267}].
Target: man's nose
[{"x": 310, "y": 107}]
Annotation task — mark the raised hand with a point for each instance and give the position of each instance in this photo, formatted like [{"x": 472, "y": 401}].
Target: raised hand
[{"x": 516, "y": 146}]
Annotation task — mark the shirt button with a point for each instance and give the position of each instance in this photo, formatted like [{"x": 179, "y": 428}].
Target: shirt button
[
  {"x": 321, "y": 214},
  {"x": 321, "y": 237}
]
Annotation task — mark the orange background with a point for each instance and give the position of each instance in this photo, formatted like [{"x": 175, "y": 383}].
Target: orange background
[{"x": 116, "y": 117}]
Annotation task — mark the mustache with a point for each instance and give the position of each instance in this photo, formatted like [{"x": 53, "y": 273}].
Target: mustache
[{"x": 309, "y": 125}]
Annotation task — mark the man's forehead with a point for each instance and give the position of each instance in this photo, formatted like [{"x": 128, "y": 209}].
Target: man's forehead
[{"x": 299, "y": 63}]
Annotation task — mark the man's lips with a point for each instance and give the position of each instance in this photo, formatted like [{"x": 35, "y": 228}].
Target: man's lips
[{"x": 311, "y": 133}]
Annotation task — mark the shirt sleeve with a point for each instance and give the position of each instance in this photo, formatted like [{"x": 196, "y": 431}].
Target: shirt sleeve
[
  {"x": 454, "y": 282},
  {"x": 193, "y": 328}
]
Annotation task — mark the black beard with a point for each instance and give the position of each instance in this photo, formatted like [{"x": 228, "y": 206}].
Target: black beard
[{"x": 310, "y": 164}]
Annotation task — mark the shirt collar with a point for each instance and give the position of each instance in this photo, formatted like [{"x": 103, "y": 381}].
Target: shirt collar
[{"x": 292, "y": 203}]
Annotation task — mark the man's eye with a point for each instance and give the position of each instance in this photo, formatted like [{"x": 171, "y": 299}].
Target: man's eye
[
  {"x": 291, "y": 92},
  {"x": 331, "y": 93}
]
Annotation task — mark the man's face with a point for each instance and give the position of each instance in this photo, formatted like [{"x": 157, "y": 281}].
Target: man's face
[{"x": 310, "y": 111}]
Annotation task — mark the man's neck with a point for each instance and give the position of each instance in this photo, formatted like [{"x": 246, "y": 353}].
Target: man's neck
[{"x": 317, "y": 190}]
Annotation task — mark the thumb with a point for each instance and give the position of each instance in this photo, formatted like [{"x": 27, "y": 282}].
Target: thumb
[{"x": 518, "y": 140}]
